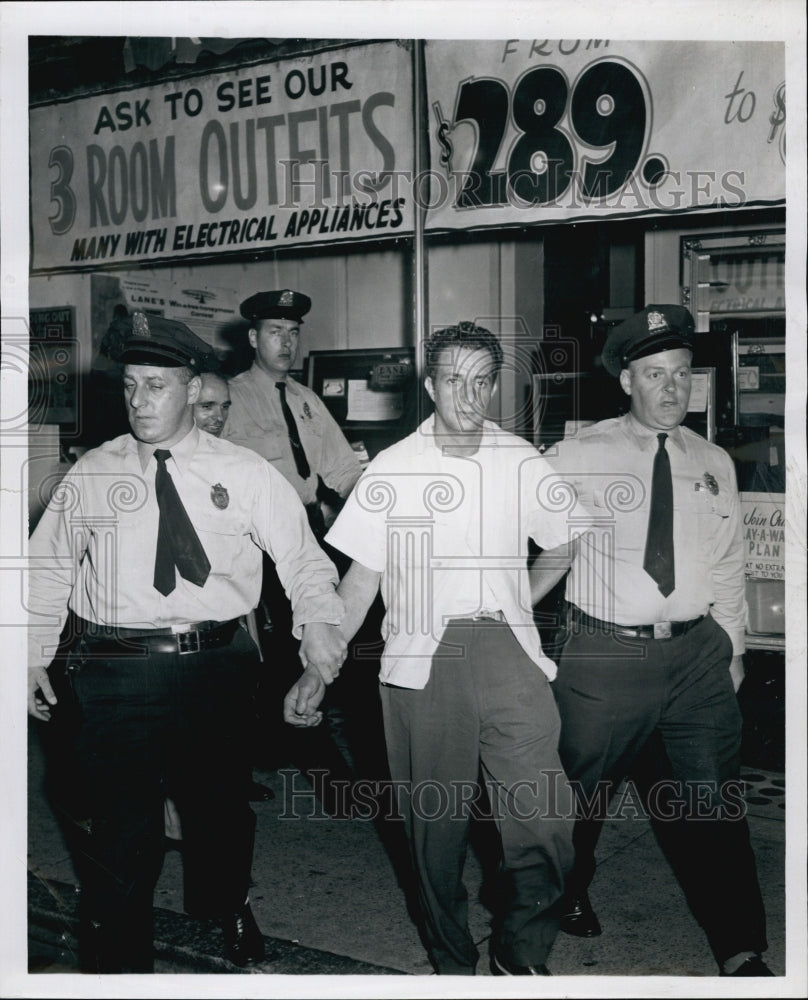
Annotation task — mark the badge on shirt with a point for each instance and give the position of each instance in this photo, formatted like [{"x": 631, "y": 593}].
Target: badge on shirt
[
  {"x": 219, "y": 496},
  {"x": 710, "y": 483},
  {"x": 306, "y": 411}
]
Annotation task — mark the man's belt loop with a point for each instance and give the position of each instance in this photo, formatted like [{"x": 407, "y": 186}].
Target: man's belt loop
[{"x": 481, "y": 616}]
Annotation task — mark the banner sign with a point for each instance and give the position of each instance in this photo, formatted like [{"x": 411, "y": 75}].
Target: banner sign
[
  {"x": 295, "y": 152},
  {"x": 542, "y": 131}
]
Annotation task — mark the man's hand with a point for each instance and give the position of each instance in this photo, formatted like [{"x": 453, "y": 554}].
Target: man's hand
[
  {"x": 736, "y": 671},
  {"x": 324, "y": 648},
  {"x": 40, "y": 693},
  {"x": 302, "y": 699}
]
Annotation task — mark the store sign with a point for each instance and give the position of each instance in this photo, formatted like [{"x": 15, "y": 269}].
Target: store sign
[
  {"x": 204, "y": 308},
  {"x": 288, "y": 153},
  {"x": 540, "y": 131},
  {"x": 764, "y": 528},
  {"x": 52, "y": 385},
  {"x": 754, "y": 281}
]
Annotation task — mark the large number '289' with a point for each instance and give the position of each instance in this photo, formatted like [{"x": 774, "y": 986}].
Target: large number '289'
[{"x": 607, "y": 111}]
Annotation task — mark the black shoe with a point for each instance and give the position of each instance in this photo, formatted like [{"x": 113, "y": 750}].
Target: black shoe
[
  {"x": 752, "y": 966},
  {"x": 260, "y": 793},
  {"x": 579, "y": 918},
  {"x": 243, "y": 941},
  {"x": 502, "y": 967}
]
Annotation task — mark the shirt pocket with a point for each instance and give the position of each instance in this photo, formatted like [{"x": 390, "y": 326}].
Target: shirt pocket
[
  {"x": 706, "y": 516},
  {"x": 222, "y": 539},
  {"x": 271, "y": 443},
  {"x": 703, "y": 503},
  {"x": 312, "y": 423},
  {"x": 120, "y": 548},
  {"x": 311, "y": 431}
]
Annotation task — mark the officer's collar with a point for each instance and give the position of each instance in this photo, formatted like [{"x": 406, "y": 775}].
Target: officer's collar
[
  {"x": 265, "y": 376},
  {"x": 182, "y": 452},
  {"x": 646, "y": 437}
]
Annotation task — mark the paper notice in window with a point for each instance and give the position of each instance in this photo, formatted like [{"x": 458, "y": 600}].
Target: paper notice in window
[
  {"x": 366, "y": 405},
  {"x": 699, "y": 392}
]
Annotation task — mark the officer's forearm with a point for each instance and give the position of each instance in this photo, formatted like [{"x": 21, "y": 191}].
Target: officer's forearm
[{"x": 549, "y": 567}]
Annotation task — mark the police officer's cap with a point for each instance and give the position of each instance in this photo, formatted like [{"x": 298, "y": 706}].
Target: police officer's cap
[
  {"x": 284, "y": 304},
  {"x": 655, "y": 329},
  {"x": 167, "y": 343}
]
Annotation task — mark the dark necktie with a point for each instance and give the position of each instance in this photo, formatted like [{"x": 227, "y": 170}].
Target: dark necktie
[
  {"x": 658, "y": 562},
  {"x": 177, "y": 542},
  {"x": 301, "y": 462}
]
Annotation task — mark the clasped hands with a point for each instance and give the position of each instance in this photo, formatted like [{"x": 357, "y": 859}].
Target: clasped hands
[{"x": 322, "y": 652}]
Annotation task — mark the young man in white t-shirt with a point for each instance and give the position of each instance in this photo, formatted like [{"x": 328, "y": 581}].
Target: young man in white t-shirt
[{"x": 441, "y": 522}]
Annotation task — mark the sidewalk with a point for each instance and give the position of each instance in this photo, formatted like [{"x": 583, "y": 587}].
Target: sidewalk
[{"x": 326, "y": 896}]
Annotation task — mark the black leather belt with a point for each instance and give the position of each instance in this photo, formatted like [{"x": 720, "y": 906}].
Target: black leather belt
[
  {"x": 661, "y": 630},
  {"x": 190, "y": 637}
]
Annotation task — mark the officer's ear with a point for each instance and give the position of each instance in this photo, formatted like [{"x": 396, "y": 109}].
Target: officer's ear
[
  {"x": 625, "y": 381},
  {"x": 194, "y": 387},
  {"x": 253, "y": 335}
]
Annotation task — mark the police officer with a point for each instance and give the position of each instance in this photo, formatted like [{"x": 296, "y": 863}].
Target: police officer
[
  {"x": 290, "y": 426},
  {"x": 656, "y": 636},
  {"x": 153, "y": 542},
  {"x": 281, "y": 419}
]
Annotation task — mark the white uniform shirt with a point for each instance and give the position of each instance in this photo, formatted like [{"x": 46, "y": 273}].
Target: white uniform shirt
[
  {"x": 449, "y": 536},
  {"x": 94, "y": 547},
  {"x": 610, "y": 465},
  {"x": 256, "y": 421}
]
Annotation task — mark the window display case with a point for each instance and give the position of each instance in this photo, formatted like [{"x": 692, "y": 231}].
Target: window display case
[
  {"x": 372, "y": 393},
  {"x": 734, "y": 285}
]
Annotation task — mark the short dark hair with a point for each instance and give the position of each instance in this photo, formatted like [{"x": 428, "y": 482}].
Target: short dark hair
[
  {"x": 218, "y": 376},
  {"x": 466, "y": 335}
]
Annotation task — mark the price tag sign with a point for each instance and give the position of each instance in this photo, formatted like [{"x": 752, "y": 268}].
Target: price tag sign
[{"x": 545, "y": 130}]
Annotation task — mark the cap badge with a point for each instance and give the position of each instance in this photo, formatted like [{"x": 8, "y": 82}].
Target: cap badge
[
  {"x": 140, "y": 325},
  {"x": 287, "y": 298},
  {"x": 656, "y": 321},
  {"x": 219, "y": 496}
]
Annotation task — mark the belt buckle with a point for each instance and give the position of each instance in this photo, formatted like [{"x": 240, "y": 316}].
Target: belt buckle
[
  {"x": 662, "y": 630},
  {"x": 188, "y": 642}
]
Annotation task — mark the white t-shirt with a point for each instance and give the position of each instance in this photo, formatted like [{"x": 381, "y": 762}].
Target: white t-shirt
[{"x": 450, "y": 537}]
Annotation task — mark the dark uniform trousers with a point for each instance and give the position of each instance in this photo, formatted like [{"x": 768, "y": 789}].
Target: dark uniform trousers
[
  {"x": 613, "y": 692},
  {"x": 492, "y": 707},
  {"x": 151, "y": 725}
]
